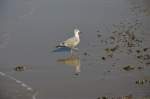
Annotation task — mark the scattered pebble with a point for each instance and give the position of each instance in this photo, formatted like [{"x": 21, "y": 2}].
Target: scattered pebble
[
  {"x": 85, "y": 53},
  {"x": 127, "y": 97},
  {"x": 111, "y": 37},
  {"x": 76, "y": 74},
  {"x": 103, "y": 58},
  {"x": 145, "y": 49},
  {"x": 138, "y": 51},
  {"x": 146, "y": 57},
  {"x": 139, "y": 57},
  {"x": 103, "y": 97},
  {"x": 114, "y": 48},
  {"x": 140, "y": 68},
  {"x": 130, "y": 96},
  {"x": 148, "y": 63},
  {"x": 98, "y": 31},
  {"x": 142, "y": 82},
  {"x": 99, "y": 35},
  {"x": 128, "y": 68}
]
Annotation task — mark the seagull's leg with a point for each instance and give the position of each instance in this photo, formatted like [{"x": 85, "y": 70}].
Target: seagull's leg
[
  {"x": 75, "y": 48},
  {"x": 71, "y": 51}
]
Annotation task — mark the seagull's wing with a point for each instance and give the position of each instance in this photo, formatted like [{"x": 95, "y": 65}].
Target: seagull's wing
[{"x": 71, "y": 42}]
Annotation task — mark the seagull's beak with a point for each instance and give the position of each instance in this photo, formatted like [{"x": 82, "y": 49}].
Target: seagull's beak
[{"x": 80, "y": 32}]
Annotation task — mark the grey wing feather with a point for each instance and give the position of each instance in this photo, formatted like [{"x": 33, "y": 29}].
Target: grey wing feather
[{"x": 70, "y": 42}]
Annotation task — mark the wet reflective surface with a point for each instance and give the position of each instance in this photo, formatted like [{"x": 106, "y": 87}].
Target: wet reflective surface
[
  {"x": 72, "y": 60},
  {"x": 113, "y": 60}
]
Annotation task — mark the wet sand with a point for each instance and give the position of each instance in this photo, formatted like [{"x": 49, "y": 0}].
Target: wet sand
[{"x": 113, "y": 61}]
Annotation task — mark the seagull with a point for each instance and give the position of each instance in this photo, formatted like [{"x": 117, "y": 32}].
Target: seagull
[{"x": 71, "y": 42}]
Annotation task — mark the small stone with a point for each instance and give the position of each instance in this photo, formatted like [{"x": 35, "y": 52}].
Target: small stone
[
  {"x": 138, "y": 51},
  {"x": 148, "y": 63},
  {"x": 111, "y": 37},
  {"x": 76, "y": 74},
  {"x": 128, "y": 97},
  {"x": 99, "y": 98},
  {"x": 139, "y": 57},
  {"x": 103, "y": 58},
  {"x": 114, "y": 32},
  {"x": 140, "y": 82},
  {"x": 139, "y": 68},
  {"x": 85, "y": 53},
  {"x": 145, "y": 49},
  {"x": 99, "y": 35},
  {"x": 146, "y": 57},
  {"x": 146, "y": 80},
  {"x": 98, "y": 31},
  {"x": 104, "y": 97},
  {"x": 115, "y": 48}
]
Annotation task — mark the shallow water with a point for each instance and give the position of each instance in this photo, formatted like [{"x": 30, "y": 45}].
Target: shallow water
[{"x": 31, "y": 65}]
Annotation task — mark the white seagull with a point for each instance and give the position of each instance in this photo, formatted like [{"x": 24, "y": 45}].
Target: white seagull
[{"x": 71, "y": 42}]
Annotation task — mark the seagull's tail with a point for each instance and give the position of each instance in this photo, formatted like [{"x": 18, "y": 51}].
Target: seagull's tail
[{"x": 60, "y": 45}]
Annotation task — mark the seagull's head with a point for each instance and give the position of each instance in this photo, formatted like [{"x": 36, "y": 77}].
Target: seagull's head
[{"x": 76, "y": 31}]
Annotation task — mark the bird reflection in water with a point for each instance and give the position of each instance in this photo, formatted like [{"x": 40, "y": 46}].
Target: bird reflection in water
[{"x": 72, "y": 60}]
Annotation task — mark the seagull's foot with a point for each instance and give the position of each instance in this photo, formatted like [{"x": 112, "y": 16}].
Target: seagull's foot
[{"x": 75, "y": 48}]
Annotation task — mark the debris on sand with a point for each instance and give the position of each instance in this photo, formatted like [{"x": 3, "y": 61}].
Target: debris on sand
[
  {"x": 139, "y": 56},
  {"x": 128, "y": 68},
  {"x": 99, "y": 35},
  {"x": 110, "y": 50},
  {"x": 124, "y": 35},
  {"x": 140, "y": 9},
  {"x": 103, "y": 97},
  {"x": 123, "y": 39},
  {"x": 98, "y": 31},
  {"x": 76, "y": 74},
  {"x": 142, "y": 82},
  {"x": 114, "y": 48},
  {"x": 127, "y": 97},
  {"x": 145, "y": 49},
  {"x": 103, "y": 58},
  {"x": 145, "y": 58},
  {"x": 19, "y": 67},
  {"x": 139, "y": 68},
  {"x": 146, "y": 97},
  {"x": 148, "y": 63},
  {"x": 130, "y": 96},
  {"x": 138, "y": 51},
  {"x": 85, "y": 53},
  {"x": 126, "y": 38}
]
